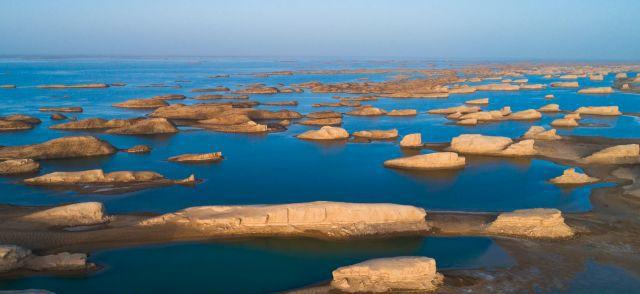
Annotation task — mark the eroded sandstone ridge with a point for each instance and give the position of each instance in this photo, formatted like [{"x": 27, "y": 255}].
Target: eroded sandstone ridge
[
  {"x": 329, "y": 219},
  {"x": 66, "y": 147},
  {"x": 14, "y": 257},
  {"x": 431, "y": 161},
  {"x": 382, "y": 275},
  {"x": 533, "y": 223}
]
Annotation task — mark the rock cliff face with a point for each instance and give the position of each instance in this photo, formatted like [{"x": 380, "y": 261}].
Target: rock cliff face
[
  {"x": 328, "y": 219},
  {"x": 385, "y": 275},
  {"x": 431, "y": 161},
  {"x": 66, "y": 147},
  {"x": 533, "y": 223}
]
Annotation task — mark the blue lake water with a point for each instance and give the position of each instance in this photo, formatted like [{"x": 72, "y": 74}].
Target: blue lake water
[{"x": 278, "y": 168}]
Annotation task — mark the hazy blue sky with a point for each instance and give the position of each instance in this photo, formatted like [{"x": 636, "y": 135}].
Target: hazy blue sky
[{"x": 558, "y": 29}]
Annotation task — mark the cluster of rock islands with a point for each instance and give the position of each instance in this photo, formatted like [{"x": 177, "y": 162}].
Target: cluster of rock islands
[{"x": 42, "y": 239}]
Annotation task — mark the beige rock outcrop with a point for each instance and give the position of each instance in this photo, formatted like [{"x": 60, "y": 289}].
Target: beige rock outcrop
[
  {"x": 170, "y": 97},
  {"x": 619, "y": 154},
  {"x": 325, "y": 133},
  {"x": 481, "y": 101},
  {"x": 565, "y": 85},
  {"x": 533, "y": 223},
  {"x": 202, "y": 157},
  {"x": 431, "y": 161},
  {"x": 64, "y": 261},
  {"x": 77, "y": 214},
  {"x": 457, "y": 109},
  {"x": 522, "y": 148},
  {"x": 498, "y": 87},
  {"x": 332, "y": 121},
  {"x": 12, "y": 257},
  {"x": 149, "y": 126},
  {"x": 272, "y": 115},
  {"x": 327, "y": 219},
  {"x": 599, "y": 110},
  {"x": 142, "y": 103},
  {"x": 97, "y": 176},
  {"x": 550, "y": 108},
  {"x": 6, "y": 126},
  {"x": 529, "y": 114},
  {"x": 596, "y": 90},
  {"x": 467, "y": 122},
  {"x": 388, "y": 275},
  {"x": 138, "y": 149},
  {"x": 94, "y": 124},
  {"x": 549, "y": 96},
  {"x": 403, "y": 112},
  {"x": 75, "y": 86},
  {"x": 18, "y": 166},
  {"x": 564, "y": 123},
  {"x": 411, "y": 141},
  {"x": 479, "y": 144},
  {"x": 539, "y": 133},
  {"x": 377, "y": 134},
  {"x": 533, "y": 86},
  {"x": 367, "y": 111},
  {"x": 61, "y": 109},
  {"x": 193, "y": 112},
  {"x": 571, "y": 177},
  {"x": 66, "y": 147}
]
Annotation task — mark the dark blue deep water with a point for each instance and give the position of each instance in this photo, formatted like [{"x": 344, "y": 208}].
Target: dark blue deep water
[{"x": 278, "y": 168}]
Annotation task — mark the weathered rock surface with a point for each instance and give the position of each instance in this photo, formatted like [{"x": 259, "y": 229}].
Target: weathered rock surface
[
  {"x": 12, "y": 257},
  {"x": 142, "y": 103},
  {"x": 149, "y": 126},
  {"x": 58, "y": 116},
  {"x": 75, "y": 86},
  {"x": 549, "y": 96},
  {"x": 138, "y": 149},
  {"x": 468, "y": 122},
  {"x": 202, "y": 157},
  {"x": 7, "y": 126},
  {"x": 522, "y": 148},
  {"x": 539, "y": 133},
  {"x": 268, "y": 115},
  {"x": 22, "y": 118},
  {"x": 367, "y": 111},
  {"x": 431, "y": 161},
  {"x": 599, "y": 110},
  {"x": 258, "y": 89},
  {"x": 388, "y": 275},
  {"x": 479, "y": 144},
  {"x": 461, "y": 109},
  {"x": 377, "y": 134},
  {"x": 564, "y": 123},
  {"x": 77, "y": 214},
  {"x": 571, "y": 177},
  {"x": 245, "y": 127},
  {"x": 324, "y": 114},
  {"x": 498, "y": 87},
  {"x": 61, "y": 109},
  {"x": 550, "y": 108},
  {"x": 325, "y": 133},
  {"x": 328, "y": 219},
  {"x": 94, "y": 124},
  {"x": 322, "y": 121},
  {"x": 411, "y": 141},
  {"x": 192, "y": 112},
  {"x": 64, "y": 261},
  {"x": 619, "y": 154},
  {"x": 170, "y": 97},
  {"x": 533, "y": 86},
  {"x": 281, "y": 103},
  {"x": 481, "y": 101},
  {"x": 18, "y": 166},
  {"x": 529, "y": 114},
  {"x": 66, "y": 147},
  {"x": 565, "y": 85},
  {"x": 403, "y": 112},
  {"x": 596, "y": 90},
  {"x": 533, "y": 223}
]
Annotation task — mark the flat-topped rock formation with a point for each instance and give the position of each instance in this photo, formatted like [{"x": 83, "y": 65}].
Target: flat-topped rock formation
[
  {"x": 377, "y": 134},
  {"x": 467, "y": 122},
  {"x": 431, "y": 161},
  {"x": 522, "y": 148},
  {"x": 571, "y": 177},
  {"x": 214, "y": 89},
  {"x": 533, "y": 86},
  {"x": 61, "y": 109},
  {"x": 192, "y": 112},
  {"x": 281, "y": 103},
  {"x": 21, "y": 118},
  {"x": 97, "y": 181},
  {"x": 75, "y": 86},
  {"x": 539, "y": 133},
  {"x": 565, "y": 85},
  {"x": 220, "y": 96},
  {"x": 457, "y": 109},
  {"x": 367, "y": 111},
  {"x": 170, "y": 97},
  {"x": 529, "y": 114},
  {"x": 498, "y": 87},
  {"x": 550, "y": 108},
  {"x": 95, "y": 124},
  {"x": 388, "y": 275},
  {"x": 596, "y": 90},
  {"x": 197, "y": 157},
  {"x": 492, "y": 145},
  {"x": 18, "y": 166},
  {"x": 70, "y": 215},
  {"x": 149, "y": 126},
  {"x": 565, "y": 123},
  {"x": 7, "y": 86},
  {"x": 245, "y": 127},
  {"x": 65, "y": 147},
  {"x": 411, "y": 141},
  {"x": 151, "y": 103},
  {"x": 325, "y": 133},
  {"x": 332, "y": 121},
  {"x": 599, "y": 110},
  {"x": 480, "y": 101},
  {"x": 257, "y": 89},
  {"x": 620, "y": 154},
  {"x": 328, "y": 219},
  {"x": 14, "y": 257},
  {"x": 272, "y": 115},
  {"x": 58, "y": 116},
  {"x": 324, "y": 114},
  {"x": 532, "y": 223},
  {"x": 403, "y": 112},
  {"x": 10, "y": 126}
]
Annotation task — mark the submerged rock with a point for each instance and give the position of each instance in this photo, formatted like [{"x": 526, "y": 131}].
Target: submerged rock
[
  {"x": 150, "y": 126},
  {"x": 431, "y": 161},
  {"x": 325, "y": 133},
  {"x": 571, "y": 177},
  {"x": 596, "y": 90},
  {"x": 377, "y": 134},
  {"x": 76, "y": 86},
  {"x": 328, "y": 219},
  {"x": 386, "y": 275},
  {"x": 411, "y": 141},
  {"x": 77, "y": 214},
  {"x": 61, "y": 109},
  {"x": 142, "y": 103},
  {"x": 479, "y": 144},
  {"x": 203, "y": 157},
  {"x": 367, "y": 111},
  {"x": 539, "y": 133},
  {"x": 403, "y": 112},
  {"x": 18, "y": 166},
  {"x": 66, "y": 147},
  {"x": 619, "y": 154},
  {"x": 533, "y": 223},
  {"x": 599, "y": 110},
  {"x": 58, "y": 116}
]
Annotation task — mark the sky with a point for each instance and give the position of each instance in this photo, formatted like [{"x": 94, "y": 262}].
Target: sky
[{"x": 472, "y": 29}]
